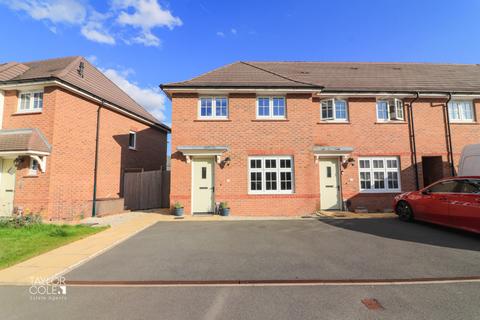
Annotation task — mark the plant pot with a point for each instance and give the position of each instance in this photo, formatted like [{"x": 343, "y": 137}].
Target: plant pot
[
  {"x": 225, "y": 212},
  {"x": 178, "y": 212}
]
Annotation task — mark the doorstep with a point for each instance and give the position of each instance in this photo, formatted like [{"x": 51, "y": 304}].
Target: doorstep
[{"x": 355, "y": 215}]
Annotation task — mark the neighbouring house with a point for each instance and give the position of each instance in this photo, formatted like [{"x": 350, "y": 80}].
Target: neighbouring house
[
  {"x": 67, "y": 135},
  {"x": 289, "y": 138}
]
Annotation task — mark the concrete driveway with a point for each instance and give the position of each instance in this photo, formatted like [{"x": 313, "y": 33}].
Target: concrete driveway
[{"x": 292, "y": 249}]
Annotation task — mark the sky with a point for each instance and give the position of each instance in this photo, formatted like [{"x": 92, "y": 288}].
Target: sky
[{"x": 140, "y": 44}]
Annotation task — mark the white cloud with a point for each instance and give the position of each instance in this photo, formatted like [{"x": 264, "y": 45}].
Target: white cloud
[
  {"x": 92, "y": 58},
  {"x": 149, "y": 98},
  {"x": 233, "y": 31},
  {"x": 147, "y": 14},
  {"x": 148, "y": 39},
  {"x": 117, "y": 23},
  {"x": 55, "y": 11},
  {"x": 95, "y": 30},
  {"x": 220, "y": 34}
]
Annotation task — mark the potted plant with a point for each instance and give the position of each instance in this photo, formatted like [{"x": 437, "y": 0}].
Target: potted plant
[
  {"x": 178, "y": 209},
  {"x": 224, "y": 209}
]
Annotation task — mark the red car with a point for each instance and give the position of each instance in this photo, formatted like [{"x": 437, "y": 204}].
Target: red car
[{"x": 452, "y": 202}]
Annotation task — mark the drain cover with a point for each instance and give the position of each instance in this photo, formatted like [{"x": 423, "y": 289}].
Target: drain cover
[{"x": 372, "y": 304}]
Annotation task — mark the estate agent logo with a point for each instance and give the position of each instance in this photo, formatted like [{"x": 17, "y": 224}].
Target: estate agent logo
[{"x": 48, "y": 289}]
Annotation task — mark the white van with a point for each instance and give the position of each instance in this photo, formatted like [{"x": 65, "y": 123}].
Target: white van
[{"x": 470, "y": 161}]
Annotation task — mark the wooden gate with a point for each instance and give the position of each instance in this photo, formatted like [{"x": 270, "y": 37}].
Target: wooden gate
[{"x": 146, "y": 190}]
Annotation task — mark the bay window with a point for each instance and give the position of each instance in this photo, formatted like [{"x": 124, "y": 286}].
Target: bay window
[
  {"x": 379, "y": 174},
  {"x": 270, "y": 175},
  {"x": 334, "y": 110}
]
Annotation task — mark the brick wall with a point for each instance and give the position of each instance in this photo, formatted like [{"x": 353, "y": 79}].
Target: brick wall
[
  {"x": 296, "y": 136},
  {"x": 68, "y": 121}
]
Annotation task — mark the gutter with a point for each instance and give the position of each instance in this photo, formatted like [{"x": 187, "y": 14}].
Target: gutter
[{"x": 413, "y": 145}]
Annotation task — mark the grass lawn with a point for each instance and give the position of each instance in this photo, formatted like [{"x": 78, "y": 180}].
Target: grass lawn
[{"x": 19, "y": 244}]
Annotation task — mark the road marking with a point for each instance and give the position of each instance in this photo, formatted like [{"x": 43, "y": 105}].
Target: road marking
[{"x": 270, "y": 283}]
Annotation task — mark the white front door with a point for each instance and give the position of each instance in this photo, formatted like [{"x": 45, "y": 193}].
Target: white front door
[
  {"x": 203, "y": 185},
  {"x": 7, "y": 186},
  {"x": 329, "y": 184}
]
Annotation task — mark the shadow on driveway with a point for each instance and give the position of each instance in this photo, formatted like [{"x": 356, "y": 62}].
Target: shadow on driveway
[{"x": 419, "y": 232}]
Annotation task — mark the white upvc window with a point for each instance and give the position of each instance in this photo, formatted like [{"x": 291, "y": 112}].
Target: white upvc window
[
  {"x": 33, "y": 168},
  {"x": 213, "y": 108},
  {"x": 379, "y": 174},
  {"x": 390, "y": 110},
  {"x": 271, "y": 108},
  {"x": 31, "y": 101},
  {"x": 334, "y": 110},
  {"x": 132, "y": 140},
  {"x": 461, "y": 111},
  {"x": 270, "y": 175}
]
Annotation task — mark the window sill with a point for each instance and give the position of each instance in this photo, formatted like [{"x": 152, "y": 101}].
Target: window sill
[
  {"x": 26, "y": 113},
  {"x": 212, "y": 120},
  {"x": 133, "y": 149},
  {"x": 391, "y": 122},
  {"x": 270, "y": 120},
  {"x": 464, "y": 122},
  {"x": 31, "y": 176},
  {"x": 333, "y": 122},
  {"x": 380, "y": 192}
]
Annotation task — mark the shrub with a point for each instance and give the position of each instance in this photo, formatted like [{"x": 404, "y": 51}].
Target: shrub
[
  {"x": 224, "y": 205},
  {"x": 177, "y": 205}
]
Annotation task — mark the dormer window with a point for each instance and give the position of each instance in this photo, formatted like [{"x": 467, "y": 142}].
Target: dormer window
[
  {"x": 30, "y": 101},
  {"x": 390, "y": 110},
  {"x": 334, "y": 110}
]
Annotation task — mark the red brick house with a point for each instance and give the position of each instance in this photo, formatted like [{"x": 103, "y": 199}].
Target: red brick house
[
  {"x": 67, "y": 134},
  {"x": 289, "y": 138}
]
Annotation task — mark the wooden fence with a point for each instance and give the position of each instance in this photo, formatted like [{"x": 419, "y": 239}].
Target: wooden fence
[{"x": 146, "y": 190}]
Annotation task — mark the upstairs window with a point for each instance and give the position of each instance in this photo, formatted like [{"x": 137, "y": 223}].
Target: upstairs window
[
  {"x": 132, "y": 140},
  {"x": 30, "y": 101},
  {"x": 461, "y": 111},
  {"x": 213, "y": 108},
  {"x": 334, "y": 110},
  {"x": 271, "y": 108},
  {"x": 390, "y": 110}
]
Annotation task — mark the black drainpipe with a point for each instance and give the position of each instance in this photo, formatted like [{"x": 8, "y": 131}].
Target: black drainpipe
[
  {"x": 97, "y": 134},
  {"x": 448, "y": 135},
  {"x": 413, "y": 145}
]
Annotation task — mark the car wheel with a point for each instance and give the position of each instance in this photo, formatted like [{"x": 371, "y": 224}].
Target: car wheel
[{"x": 404, "y": 211}]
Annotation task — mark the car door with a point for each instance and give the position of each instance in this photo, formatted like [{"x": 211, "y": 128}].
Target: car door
[
  {"x": 464, "y": 205},
  {"x": 433, "y": 202}
]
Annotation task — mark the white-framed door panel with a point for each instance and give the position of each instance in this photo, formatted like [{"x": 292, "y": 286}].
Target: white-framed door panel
[
  {"x": 330, "y": 184},
  {"x": 203, "y": 185}
]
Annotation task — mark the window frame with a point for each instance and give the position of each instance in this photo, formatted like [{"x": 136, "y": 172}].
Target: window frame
[
  {"x": 385, "y": 170},
  {"x": 31, "y": 104},
  {"x": 461, "y": 116},
  {"x": 334, "y": 110},
  {"x": 33, "y": 172},
  {"x": 134, "y": 134},
  {"x": 214, "y": 108},
  {"x": 263, "y": 170},
  {"x": 270, "y": 115},
  {"x": 397, "y": 104}
]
